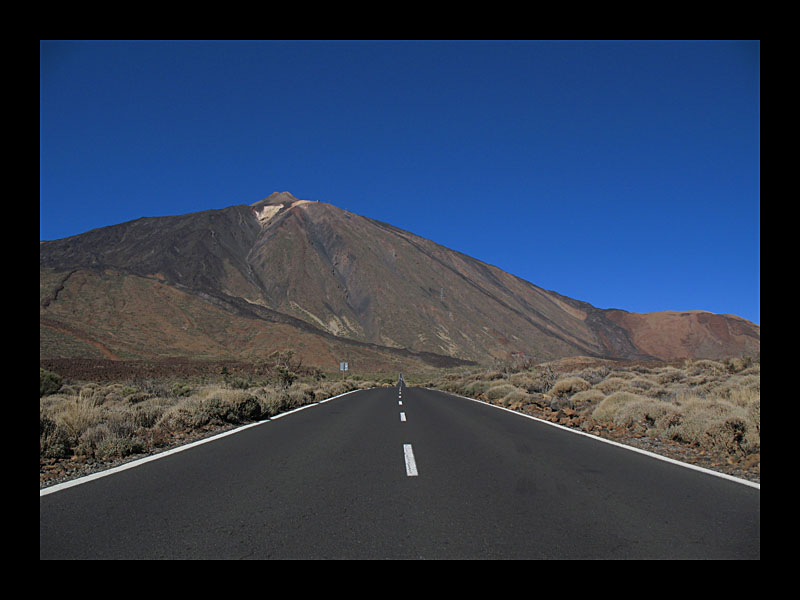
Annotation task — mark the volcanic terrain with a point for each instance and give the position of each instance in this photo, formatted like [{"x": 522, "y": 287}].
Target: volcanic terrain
[{"x": 241, "y": 282}]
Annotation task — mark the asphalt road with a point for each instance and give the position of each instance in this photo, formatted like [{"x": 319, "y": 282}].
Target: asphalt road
[{"x": 417, "y": 474}]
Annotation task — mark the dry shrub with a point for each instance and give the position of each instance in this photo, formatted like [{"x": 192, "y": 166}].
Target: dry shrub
[
  {"x": 91, "y": 438},
  {"x": 586, "y": 399},
  {"x": 87, "y": 425},
  {"x": 116, "y": 446},
  {"x": 594, "y": 375},
  {"x": 146, "y": 414},
  {"x": 475, "y": 388},
  {"x": 103, "y": 443},
  {"x": 738, "y": 364},
  {"x": 625, "y": 374},
  {"x": 78, "y": 415},
  {"x": 669, "y": 375},
  {"x": 54, "y": 442},
  {"x": 339, "y": 387},
  {"x": 612, "y": 384},
  {"x": 500, "y": 391},
  {"x": 706, "y": 367},
  {"x": 515, "y": 399},
  {"x": 640, "y": 384},
  {"x": 719, "y": 425},
  {"x": 645, "y": 411},
  {"x": 608, "y": 408},
  {"x": 215, "y": 406},
  {"x": 729, "y": 436},
  {"x": 178, "y": 417},
  {"x": 541, "y": 379},
  {"x": 300, "y": 395},
  {"x": 522, "y": 380},
  {"x": 493, "y": 375},
  {"x": 738, "y": 391},
  {"x": 569, "y": 386}
]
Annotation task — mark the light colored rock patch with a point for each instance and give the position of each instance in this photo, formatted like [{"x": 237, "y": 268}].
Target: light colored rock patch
[
  {"x": 350, "y": 327},
  {"x": 339, "y": 326},
  {"x": 267, "y": 212},
  {"x": 309, "y": 314},
  {"x": 335, "y": 326},
  {"x": 571, "y": 310},
  {"x": 447, "y": 343}
]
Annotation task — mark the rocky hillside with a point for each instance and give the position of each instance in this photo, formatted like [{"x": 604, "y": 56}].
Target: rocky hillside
[{"x": 284, "y": 272}]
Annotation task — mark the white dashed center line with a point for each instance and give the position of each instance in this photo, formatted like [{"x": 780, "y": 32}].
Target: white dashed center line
[
  {"x": 411, "y": 464},
  {"x": 403, "y": 416}
]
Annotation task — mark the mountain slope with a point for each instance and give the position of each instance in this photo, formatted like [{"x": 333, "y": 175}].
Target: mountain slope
[{"x": 317, "y": 269}]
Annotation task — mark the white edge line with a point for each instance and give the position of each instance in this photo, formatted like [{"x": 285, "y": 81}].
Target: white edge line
[
  {"x": 294, "y": 410},
  {"x": 752, "y": 484},
  {"x": 135, "y": 463}
]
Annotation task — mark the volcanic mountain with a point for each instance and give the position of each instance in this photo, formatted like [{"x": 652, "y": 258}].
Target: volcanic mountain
[{"x": 285, "y": 273}]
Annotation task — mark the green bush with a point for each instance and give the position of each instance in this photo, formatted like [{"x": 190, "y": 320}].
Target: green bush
[
  {"x": 49, "y": 382},
  {"x": 180, "y": 390},
  {"x": 247, "y": 409}
]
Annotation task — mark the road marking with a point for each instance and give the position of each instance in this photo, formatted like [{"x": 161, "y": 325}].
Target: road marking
[
  {"x": 411, "y": 464},
  {"x": 294, "y": 410},
  {"x": 403, "y": 417},
  {"x": 400, "y": 402}
]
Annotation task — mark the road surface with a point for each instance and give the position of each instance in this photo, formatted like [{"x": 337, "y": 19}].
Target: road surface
[{"x": 403, "y": 473}]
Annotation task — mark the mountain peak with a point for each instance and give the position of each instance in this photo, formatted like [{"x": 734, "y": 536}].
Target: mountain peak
[
  {"x": 275, "y": 198},
  {"x": 270, "y": 206},
  {"x": 312, "y": 269}
]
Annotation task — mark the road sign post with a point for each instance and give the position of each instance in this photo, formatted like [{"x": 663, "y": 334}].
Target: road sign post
[{"x": 343, "y": 366}]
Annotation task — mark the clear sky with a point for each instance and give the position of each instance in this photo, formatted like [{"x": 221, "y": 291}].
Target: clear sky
[{"x": 624, "y": 174}]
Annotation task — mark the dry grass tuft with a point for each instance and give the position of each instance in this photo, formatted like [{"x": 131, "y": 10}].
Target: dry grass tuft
[{"x": 569, "y": 386}]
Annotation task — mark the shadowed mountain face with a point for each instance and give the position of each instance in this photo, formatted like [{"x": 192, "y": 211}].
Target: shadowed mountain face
[{"x": 237, "y": 281}]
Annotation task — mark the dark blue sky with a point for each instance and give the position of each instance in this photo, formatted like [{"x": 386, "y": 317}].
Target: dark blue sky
[{"x": 624, "y": 174}]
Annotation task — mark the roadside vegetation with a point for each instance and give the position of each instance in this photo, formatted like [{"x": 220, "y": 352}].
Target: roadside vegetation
[
  {"x": 94, "y": 424},
  {"x": 702, "y": 411},
  {"x": 712, "y": 409}
]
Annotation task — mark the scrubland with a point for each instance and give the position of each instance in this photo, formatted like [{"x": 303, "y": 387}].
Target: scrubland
[
  {"x": 700, "y": 411},
  {"x": 87, "y": 426}
]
